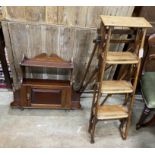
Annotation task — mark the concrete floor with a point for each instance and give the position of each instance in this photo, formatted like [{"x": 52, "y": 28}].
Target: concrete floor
[{"x": 58, "y": 128}]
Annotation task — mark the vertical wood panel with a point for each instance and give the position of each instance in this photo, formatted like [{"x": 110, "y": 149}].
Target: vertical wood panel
[
  {"x": 60, "y": 14},
  {"x": 35, "y": 13},
  {"x": 73, "y": 16},
  {"x": 34, "y": 40},
  {"x": 15, "y": 12},
  {"x": 83, "y": 44},
  {"x": 52, "y": 39},
  {"x": 66, "y": 46},
  {"x": 34, "y": 37},
  {"x": 66, "y": 42},
  {"x": 10, "y": 54},
  {"x": 1, "y": 14},
  {"x": 130, "y": 10},
  {"x": 18, "y": 43},
  {"x": 83, "y": 16},
  {"x": 93, "y": 16},
  {"x": 52, "y": 47},
  {"x": 52, "y": 14},
  {"x": 94, "y": 12}
]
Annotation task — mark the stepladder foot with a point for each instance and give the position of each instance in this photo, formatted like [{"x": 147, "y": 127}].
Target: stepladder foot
[
  {"x": 138, "y": 126},
  {"x": 92, "y": 141},
  {"x": 90, "y": 124},
  {"x": 123, "y": 128},
  {"x": 21, "y": 108},
  {"x": 94, "y": 121}
]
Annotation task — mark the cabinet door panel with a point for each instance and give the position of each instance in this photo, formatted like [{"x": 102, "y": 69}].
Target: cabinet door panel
[{"x": 46, "y": 96}]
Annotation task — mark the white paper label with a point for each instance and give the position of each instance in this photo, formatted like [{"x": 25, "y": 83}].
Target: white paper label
[{"x": 141, "y": 52}]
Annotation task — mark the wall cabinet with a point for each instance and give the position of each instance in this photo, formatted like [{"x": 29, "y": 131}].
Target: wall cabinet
[{"x": 41, "y": 93}]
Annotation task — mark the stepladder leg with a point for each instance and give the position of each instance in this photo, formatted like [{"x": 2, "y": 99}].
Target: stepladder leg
[
  {"x": 90, "y": 123},
  {"x": 92, "y": 111},
  {"x": 123, "y": 127},
  {"x": 126, "y": 99},
  {"x": 94, "y": 121},
  {"x": 127, "y": 121}
]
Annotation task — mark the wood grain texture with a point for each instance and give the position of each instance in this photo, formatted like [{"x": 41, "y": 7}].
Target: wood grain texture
[
  {"x": 19, "y": 45},
  {"x": 51, "y": 39},
  {"x": 52, "y": 14},
  {"x": 121, "y": 58},
  {"x": 69, "y": 43},
  {"x": 93, "y": 14},
  {"x": 15, "y": 13},
  {"x": 112, "y": 112},
  {"x": 72, "y": 15},
  {"x": 43, "y": 60},
  {"x": 60, "y": 14},
  {"x": 35, "y": 13},
  {"x": 33, "y": 39},
  {"x": 125, "y": 21},
  {"x": 1, "y": 14},
  {"x": 66, "y": 42},
  {"x": 82, "y": 16},
  {"x": 113, "y": 86},
  {"x": 71, "y": 35},
  {"x": 83, "y": 47}
]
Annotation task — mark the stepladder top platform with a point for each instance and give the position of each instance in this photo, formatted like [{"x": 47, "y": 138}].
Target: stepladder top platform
[{"x": 138, "y": 22}]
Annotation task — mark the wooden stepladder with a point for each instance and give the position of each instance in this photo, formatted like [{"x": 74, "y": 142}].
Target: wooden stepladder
[{"x": 126, "y": 85}]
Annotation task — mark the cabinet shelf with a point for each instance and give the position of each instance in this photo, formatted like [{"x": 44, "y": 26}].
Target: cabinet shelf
[
  {"x": 43, "y": 60},
  {"x": 46, "y": 82}
]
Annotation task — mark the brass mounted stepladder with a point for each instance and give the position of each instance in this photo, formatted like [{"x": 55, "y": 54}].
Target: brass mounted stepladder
[{"x": 135, "y": 29}]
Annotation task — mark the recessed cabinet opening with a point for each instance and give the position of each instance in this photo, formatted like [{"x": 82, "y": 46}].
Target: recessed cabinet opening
[{"x": 45, "y": 96}]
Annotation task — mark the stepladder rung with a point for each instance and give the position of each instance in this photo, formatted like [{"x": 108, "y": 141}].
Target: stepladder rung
[
  {"x": 116, "y": 87},
  {"x": 116, "y": 41},
  {"x": 111, "y": 112},
  {"x": 125, "y": 57}
]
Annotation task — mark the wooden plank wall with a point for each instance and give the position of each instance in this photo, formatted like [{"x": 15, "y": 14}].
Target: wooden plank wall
[
  {"x": 82, "y": 16},
  {"x": 66, "y": 31},
  {"x": 1, "y": 15}
]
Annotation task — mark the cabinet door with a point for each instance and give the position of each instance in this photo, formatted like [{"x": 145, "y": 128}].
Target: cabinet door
[{"x": 47, "y": 97}]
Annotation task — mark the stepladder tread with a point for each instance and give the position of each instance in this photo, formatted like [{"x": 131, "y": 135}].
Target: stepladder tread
[
  {"x": 121, "y": 58},
  {"x": 138, "y": 22},
  {"x": 116, "y": 87},
  {"x": 112, "y": 112}
]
